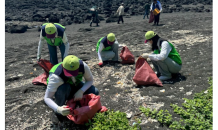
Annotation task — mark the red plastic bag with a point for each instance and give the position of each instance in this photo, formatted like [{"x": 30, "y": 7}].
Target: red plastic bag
[
  {"x": 42, "y": 79},
  {"x": 126, "y": 56},
  {"x": 151, "y": 19},
  {"x": 144, "y": 75},
  {"x": 89, "y": 106}
]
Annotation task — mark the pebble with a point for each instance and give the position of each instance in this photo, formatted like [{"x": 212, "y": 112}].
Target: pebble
[
  {"x": 181, "y": 88},
  {"x": 107, "y": 89},
  {"x": 19, "y": 75},
  {"x": 206, "y": 91},
  {"x": 163, "y": 90},
  {"x": 105, "y": 84},
  {"x": 129, "y": 115},
  {"x": 189, "y": 93}
]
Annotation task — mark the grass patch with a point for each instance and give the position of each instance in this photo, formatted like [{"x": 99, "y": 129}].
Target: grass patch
[
  {"x": 196, "y": 113},
  {"x": 111, "y": 120}
]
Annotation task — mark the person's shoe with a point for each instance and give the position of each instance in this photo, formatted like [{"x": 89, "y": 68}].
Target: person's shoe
[{"x": 162, "y": 78}]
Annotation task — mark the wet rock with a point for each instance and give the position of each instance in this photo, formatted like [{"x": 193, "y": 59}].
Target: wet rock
[{"x": 16, "y": 28}]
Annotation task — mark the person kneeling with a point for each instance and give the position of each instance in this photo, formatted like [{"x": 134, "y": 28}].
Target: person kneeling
[
  {"x": 107, "y": 48},
  {"x": 165, "y": 58},
  {"x": 65, "y": 82}
]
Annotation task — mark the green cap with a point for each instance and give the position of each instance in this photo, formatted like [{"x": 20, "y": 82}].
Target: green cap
[
  {"x": 71, "y": 66},
  {"x": 149, "y": 35},
  {"x": 111, "y": 37},
  {"x": 50, "y": 28}
]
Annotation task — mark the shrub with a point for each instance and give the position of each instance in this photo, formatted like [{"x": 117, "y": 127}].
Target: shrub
[
  {"x": 111, "y": 120},
  {"x": 196, "y": 113}
]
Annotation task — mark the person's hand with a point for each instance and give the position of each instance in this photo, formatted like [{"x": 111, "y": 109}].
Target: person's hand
[
  {"x": 63, "y": 110},
  {"x": 38, "y": 58},
  {"x": 100, "y": 62},
  {"x": 148, "y": 59},
  {"x": 145, "y": 55},
  {"x": 78, "y": 95}
]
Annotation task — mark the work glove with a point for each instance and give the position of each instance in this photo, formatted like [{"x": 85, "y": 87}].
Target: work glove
[
  {"x": 100, "y": 62},
  {"x": 145, "y": 55},
  {"x": 63, "y": 110},
  {"x": 78, "y": 95},
  {"x": 38, "y": 58}
]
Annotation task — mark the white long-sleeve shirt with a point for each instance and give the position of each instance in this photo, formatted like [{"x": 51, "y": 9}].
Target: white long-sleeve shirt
[
  {"x": 159, "y": 4},
  {"x": 120, "y": 10},
  {"x": 42, "y": 41},
  {"x": 55, "y": 81},
  {"x": 165, "y": 50}
]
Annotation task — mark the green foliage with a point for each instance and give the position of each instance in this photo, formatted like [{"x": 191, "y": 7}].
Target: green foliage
[
  {"x": 111, "y": 120},
  {"x": 196, "y": 113}
]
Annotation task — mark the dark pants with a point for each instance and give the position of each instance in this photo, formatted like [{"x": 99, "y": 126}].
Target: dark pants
[
  {"x": 94, "y": 19},
  {"x": 156, "y": 19},
  {"x": 146, "y": 13},
  {"x": 120, "y": 18},
  {"x": 66, "y": 92},
  {"x": 53, "y": 53}
]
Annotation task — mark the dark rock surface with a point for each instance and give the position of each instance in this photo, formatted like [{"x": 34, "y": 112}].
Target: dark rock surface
[{"x": 75, "y": 11}]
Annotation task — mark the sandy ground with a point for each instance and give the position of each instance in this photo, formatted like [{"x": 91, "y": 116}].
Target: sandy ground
[{"x": 191, "y": 33}]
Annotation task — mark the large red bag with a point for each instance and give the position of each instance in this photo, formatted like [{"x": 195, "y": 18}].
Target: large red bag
[
  {"x": 151, "y": 19},
  {"x": 126, "y": 56},
  {"x": 144, "y": 75},
  {"x": 42, "y": 79},
  {"x": 89, "y": 106}
]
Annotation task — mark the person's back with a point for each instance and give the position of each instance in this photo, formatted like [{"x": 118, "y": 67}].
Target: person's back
[
  {"x": 147, "y": 7},
  {"x": 121, "y": 10}
]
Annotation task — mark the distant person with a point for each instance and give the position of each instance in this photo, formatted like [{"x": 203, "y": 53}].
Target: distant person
[
  {"x": 107, "y": 48},
  {"x": 120, "y": 12},
  {"x": 165, "y": 58},
  {"x": 65, "y": 82},
  {"x": 154, "y": 5},
  {"x": 94, "y": 12},
  {"x": 55, "y": 36},
  {"x": 147, "y": 8}
]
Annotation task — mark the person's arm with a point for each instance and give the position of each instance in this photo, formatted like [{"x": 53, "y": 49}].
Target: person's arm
[
  {"x": 66, "y": 43},
  {"x": 40, "y": 45},
  {"x": 160, "y": 7},
  {"x": 88, "y": 78},
  {"x": 54, "y": 82},
  {"x": 101, "y": 47},
  {"x": 151, "y": 6},
  {"x": 165, "y": 50}
]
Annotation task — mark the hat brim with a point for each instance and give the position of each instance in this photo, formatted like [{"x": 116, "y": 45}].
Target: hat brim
[
  {"x": 50, "y": 35},
  {"x": 71, "y": 73},
  {"x": 110, "y": 43},
  {"x": 146, "y": 41}
]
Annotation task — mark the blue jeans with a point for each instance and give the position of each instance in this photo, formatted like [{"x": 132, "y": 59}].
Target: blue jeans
[
  {"x": 146, "y": 13},
  {"x": 66, "y": 92},
  {"x": 53, "y": 53}
]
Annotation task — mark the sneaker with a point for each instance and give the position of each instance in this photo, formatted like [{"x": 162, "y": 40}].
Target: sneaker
[{"x": 162, "y": 78}]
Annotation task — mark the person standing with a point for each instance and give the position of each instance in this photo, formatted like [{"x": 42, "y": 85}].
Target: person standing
[
  {"x": 120, "y": 12},
  {"x": 154, "y": 5},
  {"x": 147, "y": 7},
  {"x": 94, "y": 18},
  {"x": 54, "y": 35}
]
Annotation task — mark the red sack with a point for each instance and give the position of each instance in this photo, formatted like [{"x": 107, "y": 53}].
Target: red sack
[
  {"x": 126, "y": 56},
  {"x": 89, "y": 106},
  {"x": 42, "y": 79},
  {"x": 151, "y": 19},
  {"x": 144, "y": 75}
]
